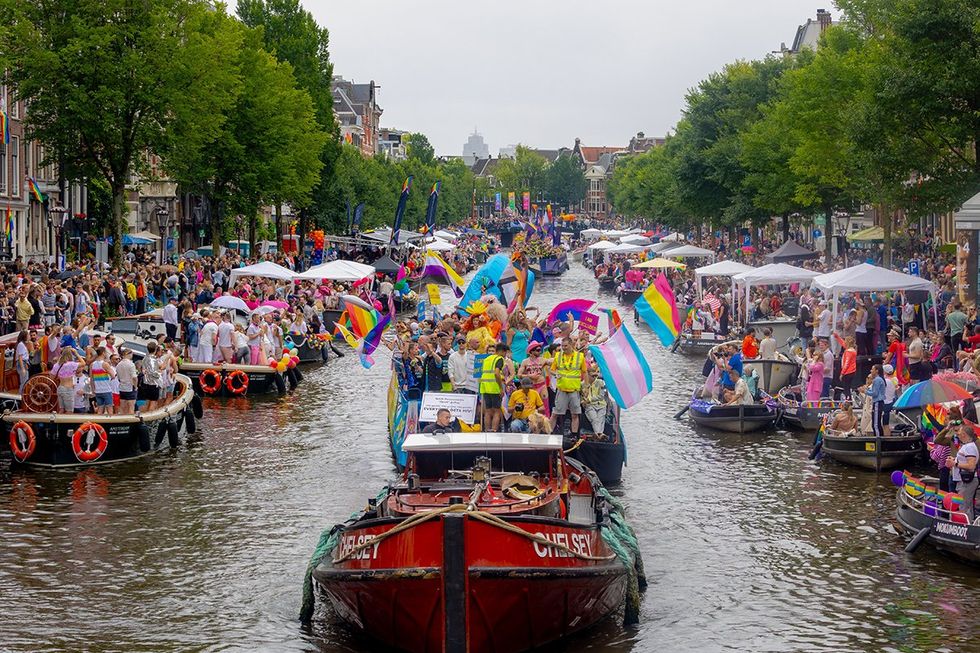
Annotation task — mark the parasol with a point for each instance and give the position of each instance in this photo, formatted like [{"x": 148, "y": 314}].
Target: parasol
[{"x": 932, "y": 391}]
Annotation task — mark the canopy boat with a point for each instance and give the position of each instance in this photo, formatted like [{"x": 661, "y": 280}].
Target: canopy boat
[
  {"x": 924, "y": 513},
  {"x": 628, "y": 296},
  {"x": 41, "y": 437},
  {"x": 310, "y": 348},
  {"x": 739, "y": 418},
  {"x": 803, "y": 414},
  {"x": 488, "y": 542},
  {"x": 551, "y": 266},
  {"x": 698, "y": 343},
  {"x": 869, "y": 452},
  {"x": 783, "y": 329}
]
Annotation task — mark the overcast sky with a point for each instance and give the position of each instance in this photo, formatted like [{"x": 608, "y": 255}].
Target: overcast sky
[{"x": 543, "y": 72}]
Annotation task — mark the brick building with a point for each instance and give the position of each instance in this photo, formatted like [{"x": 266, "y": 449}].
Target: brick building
[{"x": 358, "y": 114}]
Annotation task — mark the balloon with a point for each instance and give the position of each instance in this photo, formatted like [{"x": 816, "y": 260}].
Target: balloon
[
  {"x": 294, "y": 352},
  {"x": 898, "y": 478},
  {"x": 281, "y": 367},
  {"x": 949, "y": 502},
  {"x": 273, "y": 364},
  {"x": 959, "y": 518},
  {"x": 294, "y": 360},
  {"x": 929, "y": 509},
  {"x": 285, "y": 350}
]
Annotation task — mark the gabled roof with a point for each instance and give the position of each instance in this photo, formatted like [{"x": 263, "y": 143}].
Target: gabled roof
[
  {"x": 592, "y": 154},
  {"x": 550, "y": 155},
  {"x": 484, "y": 167}
]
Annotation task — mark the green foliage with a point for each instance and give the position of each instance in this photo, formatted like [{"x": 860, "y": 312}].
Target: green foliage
[
  {"x": 418, "y": 147},
  {"x": 109, "y": 80},
  {"x": 565, "y": 182}
]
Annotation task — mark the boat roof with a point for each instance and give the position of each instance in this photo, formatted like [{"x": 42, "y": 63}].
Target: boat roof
[{"x": 480, "y": 441}]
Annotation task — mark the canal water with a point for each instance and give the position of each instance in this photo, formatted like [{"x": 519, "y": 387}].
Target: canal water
[{"x": 748, "y": 545}]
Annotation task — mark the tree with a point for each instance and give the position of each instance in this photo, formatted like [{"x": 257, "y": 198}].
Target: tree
[
  {"x": 565, "y": 183},
  {"x": 268, "y": 148},
  {"x": 419, "y": 148},
  {"x": 110, "y": 80},
  {"x": 530, "y": 168}
]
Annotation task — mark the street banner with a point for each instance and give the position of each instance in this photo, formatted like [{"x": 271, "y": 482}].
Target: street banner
[
  {"x": 497, "y": 206},
  {"x": 433, "y": 291},
  {"x": 527, "y": 201}
]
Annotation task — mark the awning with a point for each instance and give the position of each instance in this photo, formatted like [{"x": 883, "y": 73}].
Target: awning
[
  {"x": 265, "y": 270},
  {"x": 337, "y": 271},
  {"x": 791, "y": 251},
  {"x": 870, "y": 235}
]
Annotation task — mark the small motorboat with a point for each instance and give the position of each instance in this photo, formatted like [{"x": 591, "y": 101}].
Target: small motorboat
[
  {"x": 628, "y": 297},
  {"x": 698, "y": 343},
  {"x": 233, "y": 379},
  {"x": 742, "y": 418},
  {"x": 39, "y": 436},
  {"x": 924, "y": 513},
  {"x": 774, "y": 373},
  {"x": 869, "y": 452},
  {"x": 488, "y": 542},
  {"x": 607, "y": 282},
  {"x": 803, "y": 414}
]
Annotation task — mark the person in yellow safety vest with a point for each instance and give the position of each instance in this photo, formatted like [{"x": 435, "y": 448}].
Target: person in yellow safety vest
[
  {"x": 492, "y": 389},
  {"x": 568, "y": 367}
]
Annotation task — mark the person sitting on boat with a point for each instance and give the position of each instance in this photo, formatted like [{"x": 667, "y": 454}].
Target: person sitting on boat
[
  {"x": 536, "y": 367},
  {"x": 740, "y": 394},
  {"x": 964, "y": 468},
  {"x": 445, "y": 423},
  {"x": 941, "y": 357},
  {"x": 844, "y": 421},
  {"x": 595, "y": 400},
  {"x": 521, "y": 404}
]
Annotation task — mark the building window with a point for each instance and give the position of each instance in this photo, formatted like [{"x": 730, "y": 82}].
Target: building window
[{"x": 14, "y": 166}]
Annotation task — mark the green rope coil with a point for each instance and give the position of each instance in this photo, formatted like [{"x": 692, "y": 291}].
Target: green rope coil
[
  {"x": 328, "y": 541},
  {"x": 621, "y": 538}
]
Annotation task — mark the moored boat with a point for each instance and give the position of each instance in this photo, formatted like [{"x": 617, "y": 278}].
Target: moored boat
[
  {"x": 607, "y": 282},
  {"x": 800, "y": 413},
  {"x": 740, "y": 418},
  {"x": 924, "y": 513},
  {"x": 698, "y": 344},
  {"x": 551, "y": 266},
  {"x": 867, "y": 451},
  {"x": 773, "y": 374},
  {"x": 628, "y": 296},
  {"x": 488, "y": 542},
  {"x": 38, "y": 436},
  {"x": 232, "y": 380}
]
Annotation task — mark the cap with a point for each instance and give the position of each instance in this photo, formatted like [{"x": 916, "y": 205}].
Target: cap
[
  {"x": 888, "y": 368},
  {"x": 526, "y": 382}
]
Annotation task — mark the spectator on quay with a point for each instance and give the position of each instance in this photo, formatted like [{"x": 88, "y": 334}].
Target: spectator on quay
[{"x": 23, "y": 309}]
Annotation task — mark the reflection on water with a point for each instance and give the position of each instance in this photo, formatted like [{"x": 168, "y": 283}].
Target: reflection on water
[{"x": 748, "y": 545}]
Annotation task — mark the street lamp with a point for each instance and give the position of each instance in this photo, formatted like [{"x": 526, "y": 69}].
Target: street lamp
[
  {"x": 57, "y": 215},
  {"x": 163, "y": 221}
]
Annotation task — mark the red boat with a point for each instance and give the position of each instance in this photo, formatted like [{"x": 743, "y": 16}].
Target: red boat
[{"x": 489, "y": 542}]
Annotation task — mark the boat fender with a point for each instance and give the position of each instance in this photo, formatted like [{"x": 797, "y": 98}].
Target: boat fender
[
  {"x": 89, "y": 428},
  {"x": 299, "y": 375},
  {"x": 190, "y": 421},
  {"x": 918, "y": 539},
  {"x": 22, "y": 440},
  {"x": 161, "y": 431},
  {"x": 142, "y": 434},
  {"x": 173, "y": 434},
  {"x": 197, "y": 406},
  {"x": 291, "y": 377},
  {"x": 280, "y": 383},
  {"x": 336, "y": 351},
  {"x": 180, "y": 421}
]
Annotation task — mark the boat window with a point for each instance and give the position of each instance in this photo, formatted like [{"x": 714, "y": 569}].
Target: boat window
[{"x": 436, "y": 464}]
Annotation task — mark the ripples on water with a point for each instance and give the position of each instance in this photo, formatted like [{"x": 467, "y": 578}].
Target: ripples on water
[{"x": 748, "y": 545}]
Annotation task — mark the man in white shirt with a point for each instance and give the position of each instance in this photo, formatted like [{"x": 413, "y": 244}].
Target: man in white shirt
[
  {"x": 170, "y": 318},
  {"x": 208, "y": 339},
  {"x": 226, "y": 343}
]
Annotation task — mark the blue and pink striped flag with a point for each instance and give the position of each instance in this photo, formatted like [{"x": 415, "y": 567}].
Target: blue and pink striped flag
[{"x": 623, "y": 367}]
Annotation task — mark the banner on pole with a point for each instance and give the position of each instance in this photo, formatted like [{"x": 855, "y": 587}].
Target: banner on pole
[{"x": 434, "y": 297}]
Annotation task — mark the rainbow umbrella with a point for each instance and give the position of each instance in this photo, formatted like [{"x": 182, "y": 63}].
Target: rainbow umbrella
[{"x": 932, "y": 391}]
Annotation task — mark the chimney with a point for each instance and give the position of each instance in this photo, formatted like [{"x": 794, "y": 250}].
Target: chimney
[
  {"x": 823, "y": 17},
  {"x": 640, "y": 135}
]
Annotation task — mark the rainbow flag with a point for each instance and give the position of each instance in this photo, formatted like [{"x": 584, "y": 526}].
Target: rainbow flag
[
  {"x": 371, "y": 341},
  {"x": 614, "y": 320},
  {"x": 361, "y": 320},
  {"x": 439, "y": 270},
  {"x": 349, "y": 337},
  {"x": 35, "y": 191},
  {"x": 5, "y": 124},
  {"x": 658, "y": 308},
  {"x": 626, "y": 372},
  {"x": 8, "y": 226}
]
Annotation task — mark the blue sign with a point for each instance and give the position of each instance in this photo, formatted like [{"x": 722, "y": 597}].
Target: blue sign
[
  {"x": 747, "y": 240},
  {"x": 817, "y": 233},
  {"x": 420, "y": 314},
  {"x": 170, "y": 243},
  {"x": 914, "y": 267}
]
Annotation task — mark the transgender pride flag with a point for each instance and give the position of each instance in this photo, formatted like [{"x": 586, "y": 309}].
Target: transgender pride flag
[{"x": 626, "y": 372}]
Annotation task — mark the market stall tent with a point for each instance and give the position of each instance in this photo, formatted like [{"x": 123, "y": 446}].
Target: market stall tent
[
  {"x": 660, "y": 263},
  {"x": 265, "y": 270},
  {"x": 725, "y": 268},
  {"x": 635, "y": 239},
  {"x": 602, "y": 244},
  {"x": 869, "y": 235},
  {"x": 865, "y": 277},
  {"x": 338, "y": 271},
  {"x": 624, "y": 248},
  {"x": 791, "y": 251},
  {"x": 690, "y": 251},
  {"x": 672, "y": 237},
  {"x": 772, "y": 274}
]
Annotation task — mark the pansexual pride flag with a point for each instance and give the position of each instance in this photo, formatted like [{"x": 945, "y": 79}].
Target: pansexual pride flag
[
  {"x": 658, "y": 308},
  {"x": 626, "y": 372}
]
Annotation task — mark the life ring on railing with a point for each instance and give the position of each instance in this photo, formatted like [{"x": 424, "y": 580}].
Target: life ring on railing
[
  {"x": 210, "y": 381},
  {"x": 237, "y": 382},
  {"x": 22, "y": 441},
  {"x": 93, "y": 454}
]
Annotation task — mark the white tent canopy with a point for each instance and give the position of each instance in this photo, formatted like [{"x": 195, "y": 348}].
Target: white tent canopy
[
  {"x": 265, "y": 270},
  {"x": 591, "y": 233},
  {"x": 865, "y": 277},
  {"x": 689, "y": 251},
  {"x": 438, "y": 245},
  {"x": 725, "y": 268},
  {"x": 635, "y": 239},
  {"x": 664, "y": 246},
  {"x": 772, "y": 274},
  {"x": 671, "y": 237},
  {"x": 624, "y": 248},
  {"x": 445, "y": 235},
  {"x": 613, "y": 233},
  {"x": 602, "y": 244},
  {"x": 338, "y": 271}
]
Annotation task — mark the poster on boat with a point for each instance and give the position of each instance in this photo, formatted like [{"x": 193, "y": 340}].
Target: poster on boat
[{"x": 461, "y": 406}]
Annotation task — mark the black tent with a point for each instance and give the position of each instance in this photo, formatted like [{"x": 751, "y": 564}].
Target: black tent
[
  {"x": 385, "y": 265},
  {"x": 791, "y": 251}
]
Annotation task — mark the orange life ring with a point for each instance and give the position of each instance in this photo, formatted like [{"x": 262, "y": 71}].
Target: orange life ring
[
  {"x": 210, "y": 381},
  {"x": 22, "y": 452},
  {"x": 100, "y": 447},
  {"x": 237, "y": 382}
]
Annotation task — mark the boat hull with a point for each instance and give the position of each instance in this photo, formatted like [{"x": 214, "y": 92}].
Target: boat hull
[
  {"x": 606, "y": 459},
  {"x": 456, "y": 584},
  {"x": 960, "y": 540},
  {"x": 872, "y": 453},
  {"x": 691, "y": 346},
  {"x": 261, "y": 380},
  {"x": 628, "y": 297},
  {"x": 734, "y": 419},
  {"x": 552, "y": 267},
  {"x": 774, "y": 374}
]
